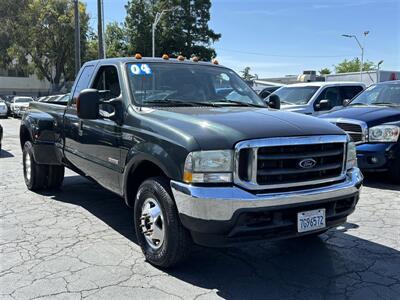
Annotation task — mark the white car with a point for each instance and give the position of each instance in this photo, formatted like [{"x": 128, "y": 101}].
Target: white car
[
  {"x": 314, "y": 98},
  {"x": 3, "y": 109},
  {"x": 19, "y": 105}
]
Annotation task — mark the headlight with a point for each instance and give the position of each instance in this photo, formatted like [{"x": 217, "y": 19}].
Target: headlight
[
  {"x": 208, "y": 166},
  {"x": 384, "y": 133},
  {"x": 351, "y": 160}
]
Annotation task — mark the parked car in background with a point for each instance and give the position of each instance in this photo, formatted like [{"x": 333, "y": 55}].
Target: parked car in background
[
  {"x": 264, "y": 92},
  {"x": 3, "y": 109},
  {"x": 372, "y": 119},
  {"x": 196, "y": 166},
  {"x": 314, "y": 98},
  {"x": 8, "y": 100},
  {"x": 19, "y": 105}
]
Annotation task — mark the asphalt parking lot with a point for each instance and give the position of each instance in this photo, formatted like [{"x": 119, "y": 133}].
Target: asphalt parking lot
[{"x": 79, "y": 243}]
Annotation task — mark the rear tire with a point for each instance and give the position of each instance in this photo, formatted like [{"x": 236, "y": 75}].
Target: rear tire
[
  {"x": 55, "y": 176},
  {"x": 164, "y": 241},
  {"x": 35, "y": 175}
]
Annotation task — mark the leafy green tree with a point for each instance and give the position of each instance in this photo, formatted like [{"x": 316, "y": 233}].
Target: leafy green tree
[
  {"x": 324, "y": 71},
  {"x": 138, "y": 26},
  {"x": 42, "y": 38},
  {"x": 116, "y": 40},
  {"x": 246, "y": 75},
  {"x": 353, "y": 66},
  {"x": 183, "y": 30}
]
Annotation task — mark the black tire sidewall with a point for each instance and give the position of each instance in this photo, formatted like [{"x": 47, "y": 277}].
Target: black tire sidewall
[
  {"x": 153, "y": 188},
  {"x": 28, "y": 151}
]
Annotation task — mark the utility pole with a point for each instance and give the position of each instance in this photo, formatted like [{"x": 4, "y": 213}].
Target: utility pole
[
  {"x": 100, "y": 27},
  {"x": 362, "y": 47},
  {"x": 77, "y": 37}
]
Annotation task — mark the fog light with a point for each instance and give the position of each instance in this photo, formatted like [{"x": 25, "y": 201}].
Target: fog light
[{"x": 374, "y": 159}]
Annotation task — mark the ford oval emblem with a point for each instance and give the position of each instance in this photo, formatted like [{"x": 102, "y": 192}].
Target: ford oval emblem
[{"x": 307, "y": 163}]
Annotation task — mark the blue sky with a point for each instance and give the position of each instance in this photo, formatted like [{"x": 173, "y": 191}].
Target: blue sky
[{"x": 280, "y": 37}]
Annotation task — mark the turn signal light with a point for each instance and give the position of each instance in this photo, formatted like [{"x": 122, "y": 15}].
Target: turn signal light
[
  {"x": 181, "y": 58},
  {"x": 138, "y": 56},
  {"x": 165, "y": 56}
]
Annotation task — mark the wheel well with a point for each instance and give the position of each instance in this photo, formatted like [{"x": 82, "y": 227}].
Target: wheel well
[
  {"x": 143, "y": 171},
  {"x": 24, "y": 136}
]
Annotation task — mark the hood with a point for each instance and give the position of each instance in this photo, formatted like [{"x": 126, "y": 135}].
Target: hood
[
  {"x": 222, "y": 128},
  {"x": 372, "y": 115}
]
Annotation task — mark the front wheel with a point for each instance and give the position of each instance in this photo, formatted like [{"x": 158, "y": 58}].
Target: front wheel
[
  {"x": 35, "y": 175},
  {"x": 163, "y": 239}
]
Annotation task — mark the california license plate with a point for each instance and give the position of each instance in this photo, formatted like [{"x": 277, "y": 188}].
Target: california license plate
[{"x": 311, "y": 220}]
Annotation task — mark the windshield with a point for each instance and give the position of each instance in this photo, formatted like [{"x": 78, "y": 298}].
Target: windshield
[
  {"x": 296, "y": 94},
  {"x": 379, "y": 94},
  {"x": 188, "y": 84},
  {"x": 24, "y": 99}
]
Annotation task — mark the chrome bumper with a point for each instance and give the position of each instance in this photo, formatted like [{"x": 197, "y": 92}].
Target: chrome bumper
[{"x": 220, "y": 203}]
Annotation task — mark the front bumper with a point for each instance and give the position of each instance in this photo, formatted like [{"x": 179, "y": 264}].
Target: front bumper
[
  {"x": 377, "y": 156},
  {"x": 218, "y": 216}
]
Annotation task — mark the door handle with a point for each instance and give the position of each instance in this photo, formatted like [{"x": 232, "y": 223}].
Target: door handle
[{"x": 80, "y": 128}]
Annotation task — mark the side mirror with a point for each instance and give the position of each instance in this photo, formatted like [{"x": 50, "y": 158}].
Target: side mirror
[
  {"x": 346, "y": 102},
  {"x": 324, "y": 104},
  {"x": 87, "y": 104},
  {"x": 274, "y": 101}
]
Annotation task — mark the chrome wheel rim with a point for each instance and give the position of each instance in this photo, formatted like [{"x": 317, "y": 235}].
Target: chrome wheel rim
[
  {"x": 152, "y": 223},
  {"x": 28, "y": 166}
]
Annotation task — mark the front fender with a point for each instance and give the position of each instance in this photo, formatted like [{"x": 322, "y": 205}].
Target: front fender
[{"x": 38, "y": 127}]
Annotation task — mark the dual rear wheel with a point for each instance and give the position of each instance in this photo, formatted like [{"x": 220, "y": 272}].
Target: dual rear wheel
[{"x": 40, "y": 176}]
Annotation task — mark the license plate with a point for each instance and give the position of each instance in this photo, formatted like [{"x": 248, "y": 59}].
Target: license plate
[{"x": 311, "y": 220}]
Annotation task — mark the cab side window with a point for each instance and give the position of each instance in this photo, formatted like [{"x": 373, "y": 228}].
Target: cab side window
[
  {"x": 332, "y": 94},
  {"x": 107, "y": 80},
  {"x": 82, "y": 83},
  {"x": 349, "y": 92}
]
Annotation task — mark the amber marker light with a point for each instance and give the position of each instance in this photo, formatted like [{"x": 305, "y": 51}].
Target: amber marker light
[{"x": 138, "y": 56}]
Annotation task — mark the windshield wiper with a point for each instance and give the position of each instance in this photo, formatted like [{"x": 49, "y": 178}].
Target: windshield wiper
[
  {"x": 240, "y": 103},
  {"x": 361, "y": 104},
  {"x": 179, "y": 102},
  {"x": 385, "y": 103}
]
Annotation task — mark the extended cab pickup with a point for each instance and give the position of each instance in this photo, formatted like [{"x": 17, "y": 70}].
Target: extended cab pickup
[{"x": 195, "y": 164}]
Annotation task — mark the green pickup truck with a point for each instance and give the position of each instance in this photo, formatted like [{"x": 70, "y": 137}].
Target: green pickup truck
[{"x": 196, "y": 152}]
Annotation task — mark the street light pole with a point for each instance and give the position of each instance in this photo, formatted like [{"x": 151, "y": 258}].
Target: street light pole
[
  {"x": 77, "y": 37},
  {"x": 362, "y": 47},
  {"x": 153, "y": 27},
  {"x": 378, "y": 76}
]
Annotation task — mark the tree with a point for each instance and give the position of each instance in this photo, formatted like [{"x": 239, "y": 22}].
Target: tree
[
  {"x": 182, "y": 31},
  {"x": 246, "y": 75},
  {"x": 116, "y": 40},
  {"x": 353, "y": 66},
  {"x": 324, "y": 71},
  {"x": 42, "y": 38},
  {"x": 138, "y": 26}
]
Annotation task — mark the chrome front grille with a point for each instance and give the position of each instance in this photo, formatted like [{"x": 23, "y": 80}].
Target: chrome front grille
[
  {"x": 290, "y": 162},
  {"x": 357, "y": 130}
]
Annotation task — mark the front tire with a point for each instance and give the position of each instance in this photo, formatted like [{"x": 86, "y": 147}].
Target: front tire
[
  {"x": 35, "y": 175},
  {"x": 163, "y": 239}
]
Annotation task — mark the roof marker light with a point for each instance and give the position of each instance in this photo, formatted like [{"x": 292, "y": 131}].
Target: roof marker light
[
  {"x": 195, "y": 59},
  {"x": 165, "y": 56},
  {"x": 215, "y": 62},
  {"x": 181, "y": 58},
  {"x": 138, "y": 56}
]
